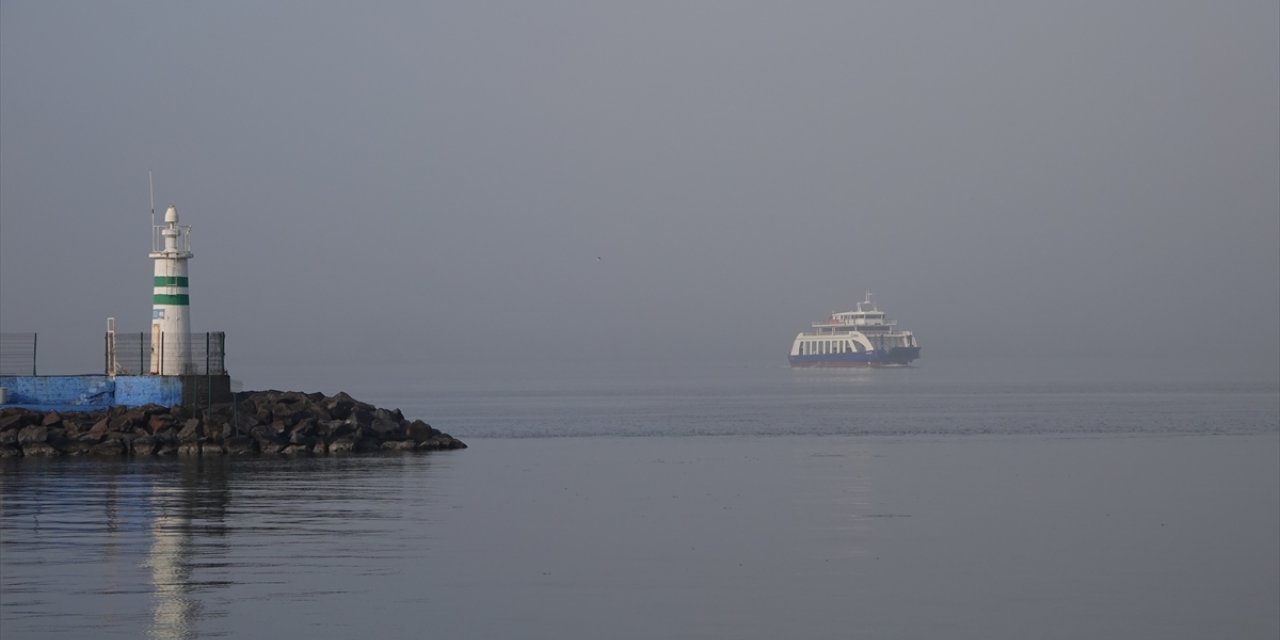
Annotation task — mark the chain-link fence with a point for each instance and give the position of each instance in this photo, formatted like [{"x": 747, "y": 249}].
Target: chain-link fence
[
  {"x": 166, "y": 353},
  {"x": 17, "y": 354}
]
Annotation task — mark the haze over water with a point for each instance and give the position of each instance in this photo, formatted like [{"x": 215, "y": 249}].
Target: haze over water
[
  {"x": 513, "y": 182},
  {"x": 748, "y": 502}
]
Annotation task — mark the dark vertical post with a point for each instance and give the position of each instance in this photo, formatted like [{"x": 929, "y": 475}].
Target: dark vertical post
[{"x": 35, "y": 340}]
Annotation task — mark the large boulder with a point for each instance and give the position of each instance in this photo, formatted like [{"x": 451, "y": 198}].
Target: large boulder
[
  {"x": 33, "y": 434},
  {"x": 237, "y": 445},
  {"x": 191, "y": 431},
  {"x": 98, "y": 430},
  {"x": 14, "y": 419},
  {"x": 420, "y": 431},
  {"x": 160, "y": 422},
  {"x": 39, "y": 450},
  {"x": 111, "y": 447}
]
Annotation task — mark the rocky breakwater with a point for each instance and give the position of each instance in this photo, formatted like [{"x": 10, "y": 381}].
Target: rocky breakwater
[{"x": 258, "y": 422}]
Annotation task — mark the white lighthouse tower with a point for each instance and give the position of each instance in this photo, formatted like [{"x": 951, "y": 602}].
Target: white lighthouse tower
[{"x": 171, "y": 298}]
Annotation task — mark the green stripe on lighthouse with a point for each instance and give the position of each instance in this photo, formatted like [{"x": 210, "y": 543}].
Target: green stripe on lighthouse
[
  {"x": 180, "y": 299},
  {"x": 171, "y": 281}
]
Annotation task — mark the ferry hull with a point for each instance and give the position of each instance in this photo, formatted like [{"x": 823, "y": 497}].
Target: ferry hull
[{"x": 895, "y": 357}]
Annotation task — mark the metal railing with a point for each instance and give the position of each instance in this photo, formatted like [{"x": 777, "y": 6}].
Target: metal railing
[
  {"x": 166, "y": 354},
  {"x": 18, "y": 354}
]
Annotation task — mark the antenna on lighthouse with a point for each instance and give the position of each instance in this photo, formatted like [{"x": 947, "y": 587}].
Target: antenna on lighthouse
[{"x": 151, "y": 187}]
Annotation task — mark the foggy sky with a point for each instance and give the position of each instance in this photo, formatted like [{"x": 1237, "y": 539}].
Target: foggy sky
[{"x": 434, "y": 182}]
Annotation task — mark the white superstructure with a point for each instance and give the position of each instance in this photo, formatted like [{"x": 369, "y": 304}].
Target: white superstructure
[
  {"x": 171, "y": 297},
  {"x": 851, "y": 338}
]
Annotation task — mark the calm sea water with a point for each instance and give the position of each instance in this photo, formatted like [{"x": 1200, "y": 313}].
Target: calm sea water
[{"x": 719, "y": 501}]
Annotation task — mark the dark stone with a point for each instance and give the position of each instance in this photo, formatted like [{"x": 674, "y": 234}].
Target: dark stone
[
  {"x": 296, "y": 450},
  {"x": 340, "y": 405},
  {"x": 10, "y": 451},
  {"x": 398, "y": 445},
  {"x": 143, "y": 445},
  {"x": 303, "y": 432},
  {"x": 160, "y": 422},
  {"x": 110, "y": 447},
  {"x": 39, "y": 450},
  {"x": 387, "y": 429},
  {"x": 191, "y": 431},
  {"x": 367, "y": 445},
  {"x": 50, "y": 419},
  {"x": 420, "y": 431},
  {"x": 338, "y": 430},
  {"x": 240, "y": 445},
  {"x": 342, "y": 445},
  {"x": 360, "y": 416},
  {"x": 211, "y": 449},
  {"x": 288, "y": 413},
  {"x": 14, "y": 419},
  {"x": 74, "y": 447},
  {"x": 98, "y": 430},
  {"x": 269, "y": 441},
  {"x": 71, "y": 426},
  {"x": 33, "y": 434},
  {"x": 221, "y": 433},
  {"x": 441, "y": 442},
  {"x": 126, "y": 422}
]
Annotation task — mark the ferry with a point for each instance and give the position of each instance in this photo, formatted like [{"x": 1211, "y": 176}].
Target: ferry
[{"x": 858, "y": 338}]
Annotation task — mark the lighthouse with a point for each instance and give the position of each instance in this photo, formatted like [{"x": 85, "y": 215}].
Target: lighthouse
[{"x": 171, "y": 297}]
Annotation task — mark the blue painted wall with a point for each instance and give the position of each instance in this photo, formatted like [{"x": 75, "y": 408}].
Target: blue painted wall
[
  {"x": 135, "y": 391},
  {"x": 90, "y": 392}
]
